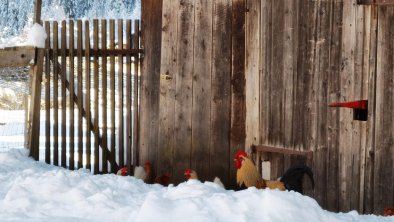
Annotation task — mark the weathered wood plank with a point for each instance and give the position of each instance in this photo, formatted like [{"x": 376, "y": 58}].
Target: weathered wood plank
[
  {"x": 360, "y": 92},
  {"x": 370, "y": 68},
  {"x": 238, "y": 104},
  {"x": 201, "y": 88},
  {"x": 276, "y": 98},
  {"x": 167, "y": 86},
  {"x": 104, "y": 95},
  {"x": 221, "y": 90},
  {"x": 128, "y": 96},
  {"x": 346, "y": 138},
  {"x": 384, "y": 134},
  {"x": 16, "y": 56},
  {"x": 322, "y": 73},
  {"x": 333, "y": 114},
  {"x": 150, "y": 79},
  {"x": 47, "y": 94},
  {"x": 183, "y": 89},
  {"x": 112, "y": 90},
  {"x": 96, "y": 98},
  {"x": 63, "y": 72},
  {"x": 87, "y": 96},
  {"x": 263, "y": 58},
  {"x": 135, "y": 94},
  {"x": 71, "y": 99},
  {"x": 290, "y": 37},
  {"x": 376, "y": 2},
  {"x": 254, "y": 32},
  {"x": 55, "y": 94},
  {"x": 120, "y": 97},
  {"x": 80, "y": 103}
]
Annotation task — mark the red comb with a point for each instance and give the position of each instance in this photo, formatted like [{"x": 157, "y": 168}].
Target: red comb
[
  {"x": 188, "y": 171},
  {"x": 240, "y": 153}
]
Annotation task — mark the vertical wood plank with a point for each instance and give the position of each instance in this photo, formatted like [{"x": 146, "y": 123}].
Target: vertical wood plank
[
  {"x": 384, "y": 148},
  {"x": 120, "y": 96},
  {"x": 167, "y": 86},
  {"x": 128, "y": 95},
  {"x": 334, "y": 94},
  {"x": 63, "y": 72},
  {"x": 150, "y": 79},
  {"x": 135, "y": 94},
  {"x": 96, "y": 98},
  {"x": 112, "y": 88},
  {"x": 183, "y": 101},
  {"x": 276, "y": 84},
  {"x": 322, "y": 73},
  {"x": 238, "y": 105},
  {"x": 220, "y": 98},
  {"x": 201, "y": 89},
  {"x": 104, "y": 96},
  {"x": 48, "y": 93},
  {"x": 252, "y": 70},
  {"x": 80, "y": 94},
  {"x": 370, "y": 68},
  {"x": 55, "y": 94},
  {"x": 71, "y": 97},
  {"x": 276, "y": 92},
  {"x": 346, "y": 139},
  {"x": 263, "y": 58},
  {"x": 360, "y": 92},
  {"x": 87, "y": 96},
  {"x": 290, "y": 37}
]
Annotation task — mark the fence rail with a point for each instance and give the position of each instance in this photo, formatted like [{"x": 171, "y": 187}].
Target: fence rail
[{"x": 90, "y": 79}]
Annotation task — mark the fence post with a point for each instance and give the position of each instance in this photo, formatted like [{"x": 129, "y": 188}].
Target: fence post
[
  {"x": 37, "y": 11},
  {"x": 35, "y": 101},
  {"x": 35, "y": 105}
]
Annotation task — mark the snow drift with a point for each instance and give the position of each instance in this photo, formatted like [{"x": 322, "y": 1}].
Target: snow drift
[{"x": 35, "y": 191}]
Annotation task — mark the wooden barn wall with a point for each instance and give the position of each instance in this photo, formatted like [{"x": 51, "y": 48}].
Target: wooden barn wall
[
  {"x": 383, "y": 173},
  {"x": 302, "y": 55},
  {"x": 193, "y": 102}
]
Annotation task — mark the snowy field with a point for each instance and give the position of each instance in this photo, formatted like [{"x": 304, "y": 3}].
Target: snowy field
[{"x": 35, "y": 191}]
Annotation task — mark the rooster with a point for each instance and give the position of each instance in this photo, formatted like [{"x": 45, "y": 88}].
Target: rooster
[
  {"x": 248, "y": 175},
  {"x": 191, "y": 174}
]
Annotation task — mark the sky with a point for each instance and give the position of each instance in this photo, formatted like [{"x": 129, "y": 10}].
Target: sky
[{"x": 35, "y": 191}]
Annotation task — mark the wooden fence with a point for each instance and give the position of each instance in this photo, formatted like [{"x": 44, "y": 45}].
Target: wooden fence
[{"x": 90, "y": 78}]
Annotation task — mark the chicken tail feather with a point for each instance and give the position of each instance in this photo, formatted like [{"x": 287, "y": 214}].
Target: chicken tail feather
[{"x": 293, "y": 178}]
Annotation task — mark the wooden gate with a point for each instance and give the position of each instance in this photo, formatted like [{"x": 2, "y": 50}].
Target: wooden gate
[{"x": 89, "y": 73}]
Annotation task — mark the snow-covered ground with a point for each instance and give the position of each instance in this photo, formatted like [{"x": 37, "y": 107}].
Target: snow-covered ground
[{"x": 35, "y": 191}]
